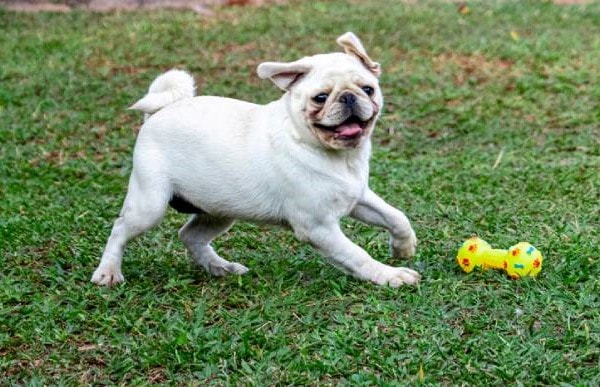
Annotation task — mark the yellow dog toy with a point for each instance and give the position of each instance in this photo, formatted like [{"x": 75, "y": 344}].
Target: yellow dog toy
[{"x": 520, "y": 260}]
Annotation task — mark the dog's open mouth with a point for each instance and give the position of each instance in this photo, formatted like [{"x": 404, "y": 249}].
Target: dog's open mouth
[{"x": 352, "y": 128}]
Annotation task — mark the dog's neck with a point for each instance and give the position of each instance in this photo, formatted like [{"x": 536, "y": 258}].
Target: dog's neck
[{"x": 352, "y": 163}]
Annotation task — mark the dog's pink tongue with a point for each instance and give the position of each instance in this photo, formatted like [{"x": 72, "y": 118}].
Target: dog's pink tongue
[{"x": 349, "y": 129}]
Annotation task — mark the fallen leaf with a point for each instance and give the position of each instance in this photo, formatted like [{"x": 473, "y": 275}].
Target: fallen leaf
[{"x": 463, "y": 9}]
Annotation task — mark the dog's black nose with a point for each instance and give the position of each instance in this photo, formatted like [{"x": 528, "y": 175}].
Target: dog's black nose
[{"x": 348, "y": 99}]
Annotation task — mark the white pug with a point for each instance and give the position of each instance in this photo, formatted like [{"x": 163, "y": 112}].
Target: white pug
[{"x": 301, "y": 161}]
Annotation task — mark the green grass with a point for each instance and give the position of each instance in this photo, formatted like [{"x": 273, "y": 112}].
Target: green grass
[{"x": 460, "y": 91}]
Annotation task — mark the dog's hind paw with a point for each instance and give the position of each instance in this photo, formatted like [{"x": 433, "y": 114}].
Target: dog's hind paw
[
  {"x": 216, "y": 265},
  {"x": 107, "y": 276},
  {"x": 221, "y": 269}
]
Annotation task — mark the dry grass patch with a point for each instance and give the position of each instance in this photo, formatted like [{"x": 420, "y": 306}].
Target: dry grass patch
[{"x": 473, "y": 67}]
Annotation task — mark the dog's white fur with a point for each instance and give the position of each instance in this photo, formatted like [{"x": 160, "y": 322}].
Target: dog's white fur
[{"x": 268, "y": 163}]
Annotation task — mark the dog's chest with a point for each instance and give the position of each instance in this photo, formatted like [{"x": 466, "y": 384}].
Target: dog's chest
[{"x": 331, "y": 188}]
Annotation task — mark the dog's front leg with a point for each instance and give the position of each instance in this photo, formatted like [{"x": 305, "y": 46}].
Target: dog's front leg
[
  {"x": 351, "y": 258},
  {"x": 374, "y": 210}
]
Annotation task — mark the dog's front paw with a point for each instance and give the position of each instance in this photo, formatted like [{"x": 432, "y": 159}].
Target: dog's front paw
[
  {"x": 395, "y": 276},
  {"x": 107, "y": 275},
  {"x": 404, "y": 247}
]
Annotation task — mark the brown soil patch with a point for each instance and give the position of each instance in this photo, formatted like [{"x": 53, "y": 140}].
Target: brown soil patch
[
  {"x": 35, "y": 7},
  {"x": 199, "y": 6}
]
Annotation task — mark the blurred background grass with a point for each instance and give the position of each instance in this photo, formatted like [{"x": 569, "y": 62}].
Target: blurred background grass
[{"x": 490, "y": 128}]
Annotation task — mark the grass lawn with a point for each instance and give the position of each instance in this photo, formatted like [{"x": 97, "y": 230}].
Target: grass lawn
[{"x": 491, "y": 127}]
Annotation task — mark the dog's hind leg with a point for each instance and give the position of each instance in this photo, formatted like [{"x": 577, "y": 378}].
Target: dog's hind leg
[
  {"x": 197, "y": 234},
  {"x": 144, "y": 207}
]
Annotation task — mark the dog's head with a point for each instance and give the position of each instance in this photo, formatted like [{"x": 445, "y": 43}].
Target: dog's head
[{"x": 333, "y": 98}]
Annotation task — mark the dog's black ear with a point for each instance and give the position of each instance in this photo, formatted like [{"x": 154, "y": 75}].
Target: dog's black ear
[
  {"x": 283, "y": 74},
  {"x": 353, "y": 46}
]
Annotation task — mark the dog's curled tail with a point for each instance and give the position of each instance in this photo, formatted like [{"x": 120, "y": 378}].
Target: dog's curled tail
[{"x": 166, "y": 89}]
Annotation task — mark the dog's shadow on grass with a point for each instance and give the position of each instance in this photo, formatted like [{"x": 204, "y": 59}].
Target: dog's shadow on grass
[{"x": 281, "y": 274}]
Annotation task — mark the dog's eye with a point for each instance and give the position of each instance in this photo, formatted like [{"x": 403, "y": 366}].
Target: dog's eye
[
  {"x": 368, "y": 90},
  {"x": 320, "y": 98}
]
